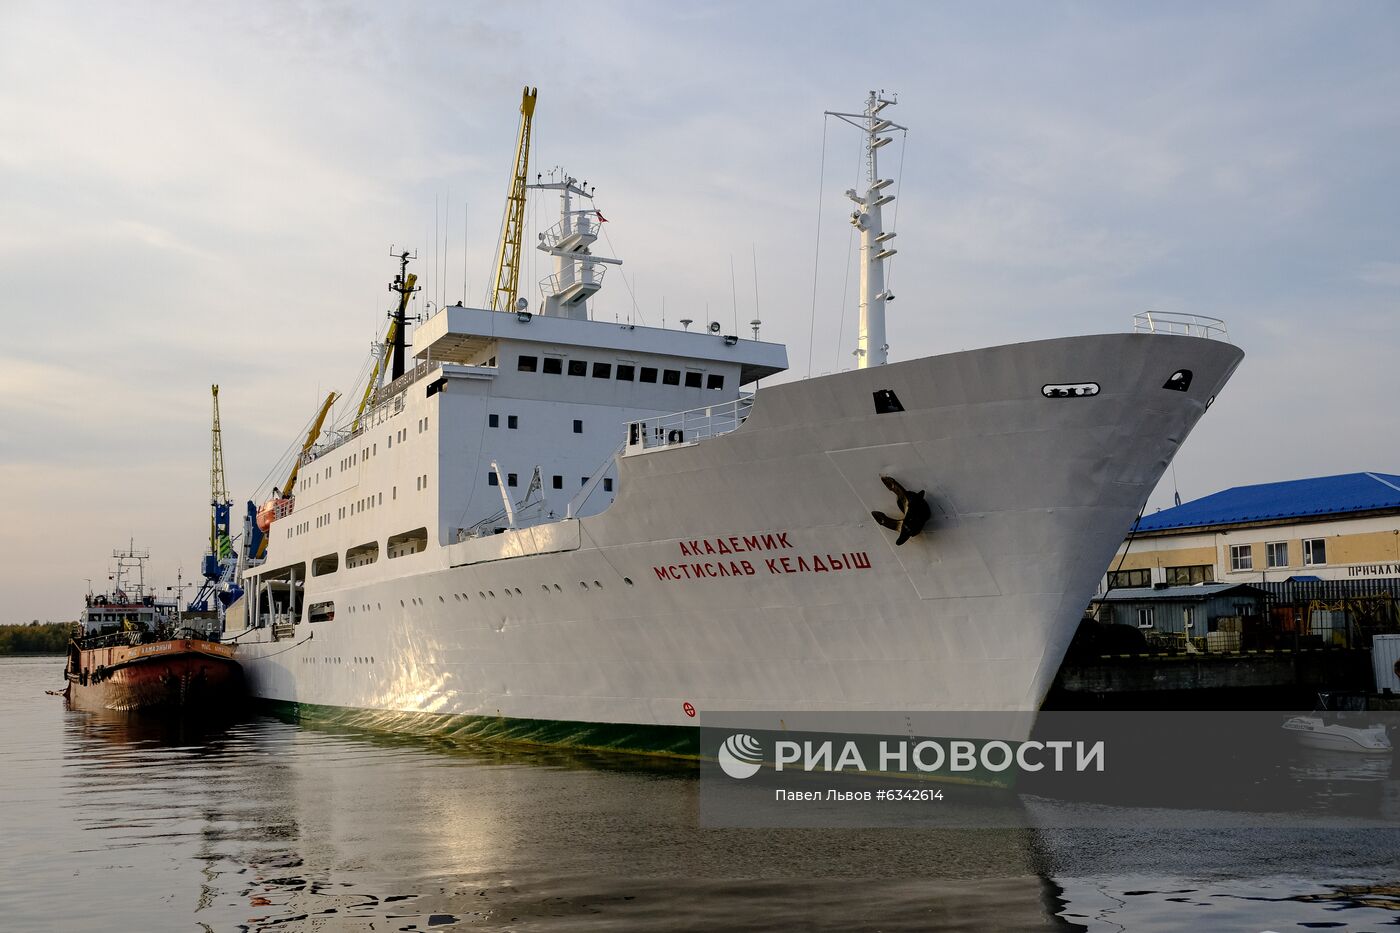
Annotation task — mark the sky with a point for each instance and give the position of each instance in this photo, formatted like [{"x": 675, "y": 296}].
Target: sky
[{"x": 208, "y": 193}]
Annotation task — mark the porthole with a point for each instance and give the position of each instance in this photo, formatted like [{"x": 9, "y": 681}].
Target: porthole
[
  {"x": 509, "y": 593},
  {"x": 545, "y": 587},
  {"x": 558, "y": 588},
  {"x": 517, "y": 592},
  {"x": 441, "y": 600},
  {"x": 1070, "y": 390},
  {"x": 457, "y": 597},
  {"x": 597, "y": 584},
  {"x": 491, "y": 593},
  {"x": 627, "y": 580},
  {"x": 481, "y": 594},
  {"x": 582, "y": 584}
]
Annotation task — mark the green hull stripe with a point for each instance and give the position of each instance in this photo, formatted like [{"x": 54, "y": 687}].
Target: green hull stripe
[
  {"x": 670, "y": 741},
  {"x": 674, "y": 742}
]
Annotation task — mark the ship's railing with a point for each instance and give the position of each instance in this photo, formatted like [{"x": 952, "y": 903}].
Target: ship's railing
[
  {"x": 1182, "y": 325},
  {"x": 685, "y": 427},
  {"x": 388, "y": 397},
  {"x": 589, "y": 273},
  {"x": 581, "y": 223}
]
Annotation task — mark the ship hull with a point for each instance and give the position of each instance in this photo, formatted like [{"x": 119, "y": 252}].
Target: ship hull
[
  {"x": 173, "y": 675},
  {"x": 746, "y": 572}
]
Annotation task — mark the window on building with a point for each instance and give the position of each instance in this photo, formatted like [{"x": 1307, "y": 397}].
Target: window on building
[
  {"x": 1188, "y": 619},
  {"x": 558, "y": 481},
  {"x": 607, "y": 484},
  {"x": 625, "y": 372},
  {"x": 1241, "y": 557},
  {"x": 578, "y": 367},
  {"x": 1276, "y": 553},
  {"x": 648, "y": 374},
  {"x": 693, "y": 379},
  {"x": 1187, "y": 576},
  {"x": 527, "y": 364},
  {"x": 553, "y": 365},
  {"x": 511, "y": 479},
  {"x": 1129, "y": 578},
  {"x": 1147, "y": 617},
  {"x": 493, "y": 421},
  {"x": 578, "y": 426},
  {"x": 602, "y": 370},
  {"x": 714, "y": 381},
  {"x": 671, "y": 377},
  {"x": 512, "y": 422},
  {"x": 1314, "y": 551}
]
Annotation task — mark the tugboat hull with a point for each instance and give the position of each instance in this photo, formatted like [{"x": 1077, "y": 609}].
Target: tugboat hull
[{"x": 176, "y": 674}]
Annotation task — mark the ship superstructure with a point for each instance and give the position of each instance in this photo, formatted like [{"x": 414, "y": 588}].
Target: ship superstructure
[{"x": 548, "y": 518}]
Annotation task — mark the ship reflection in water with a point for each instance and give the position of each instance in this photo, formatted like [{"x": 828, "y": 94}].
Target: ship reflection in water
[{"x": 119, "y": 821}]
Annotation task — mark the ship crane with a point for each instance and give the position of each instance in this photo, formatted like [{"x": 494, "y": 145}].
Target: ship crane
[
  {"x": 391, "y": 351},
  {"x": 504, "y": 294},
  {"x": 280, "y": 506}
]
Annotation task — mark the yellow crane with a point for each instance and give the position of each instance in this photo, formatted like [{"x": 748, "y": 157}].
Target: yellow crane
[
  {"x": 381, "y": 362},
  {"x": 288, "y": 488},
  {"x": 508, "y": 256}
]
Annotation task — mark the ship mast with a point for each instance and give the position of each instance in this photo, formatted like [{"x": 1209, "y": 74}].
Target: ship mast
[{"x": 872, "y": 348}]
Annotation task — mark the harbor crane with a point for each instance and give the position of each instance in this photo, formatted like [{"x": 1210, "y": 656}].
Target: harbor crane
[{"x": 280, "y": 505}]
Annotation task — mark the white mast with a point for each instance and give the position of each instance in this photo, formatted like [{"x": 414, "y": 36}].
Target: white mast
[
  {"x": 577, "y": 274},
  {"x": 872, "y": 348}
]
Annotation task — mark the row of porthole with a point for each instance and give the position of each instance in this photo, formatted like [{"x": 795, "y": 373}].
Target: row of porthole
[
  {"x": 326, "y": 660},
  {"x": 460, "y": 597}
]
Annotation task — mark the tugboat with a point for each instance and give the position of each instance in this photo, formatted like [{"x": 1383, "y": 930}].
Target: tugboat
[{"x": 132, "y": 651}]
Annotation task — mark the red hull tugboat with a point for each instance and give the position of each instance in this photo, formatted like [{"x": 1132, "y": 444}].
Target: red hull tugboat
[{"x": 136, "y": 652}]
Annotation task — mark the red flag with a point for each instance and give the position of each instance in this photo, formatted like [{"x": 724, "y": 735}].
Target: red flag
[{"x": 601, "y": 218}]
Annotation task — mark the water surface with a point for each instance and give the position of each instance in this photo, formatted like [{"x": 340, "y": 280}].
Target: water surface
[{"x": 123, "y": 822}]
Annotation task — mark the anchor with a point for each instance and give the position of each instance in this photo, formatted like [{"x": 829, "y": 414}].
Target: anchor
[{"x": 914, "y": 510}]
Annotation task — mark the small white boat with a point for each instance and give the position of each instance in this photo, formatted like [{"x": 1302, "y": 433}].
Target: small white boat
[{"x": 1313, "y": 732}]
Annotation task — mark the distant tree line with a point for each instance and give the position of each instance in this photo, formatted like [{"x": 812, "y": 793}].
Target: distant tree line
[{"x": 35, "y": 638}]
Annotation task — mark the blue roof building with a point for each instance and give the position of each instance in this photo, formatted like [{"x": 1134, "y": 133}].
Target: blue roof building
[
  {"x": 1326, "y": 528},
  {"x": 1346, "y": 494}
]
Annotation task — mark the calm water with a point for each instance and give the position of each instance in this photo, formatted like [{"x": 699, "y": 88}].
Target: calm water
[{"x": 109, "y": 822}]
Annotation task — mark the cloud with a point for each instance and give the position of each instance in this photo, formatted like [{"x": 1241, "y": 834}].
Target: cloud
[{"x": 199, "y": 194}]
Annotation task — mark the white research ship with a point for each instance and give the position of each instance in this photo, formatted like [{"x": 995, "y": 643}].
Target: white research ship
[{"x": 568, "y": 530}]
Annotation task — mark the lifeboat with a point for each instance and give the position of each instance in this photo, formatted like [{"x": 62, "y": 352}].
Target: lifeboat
[{"x": 272, "y": 510}]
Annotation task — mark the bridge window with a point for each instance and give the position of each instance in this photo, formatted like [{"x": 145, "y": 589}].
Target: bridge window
[
  {"x": 512, "y": 422},
  {"x": 693, "y": 379},
  {"x": 625, "y": 372},
  {"x": 648, "y": 374},
  {"x": 558, "y": 481},
  {"x": 527, "y": 364},
  {"x": 671, "y": 377},
  {"x": 511, "y": 479},
  {"x": 578, "y": 367},
  {"x": 602, "y": 370},
  {"x": 553, "y": 365},
  {"x": 493, "y": 421},
  {"x": 607, "y": 484},
  {"x": 578, "y": 426},
  {"x": 714, "y": 381},
  {"x": 491, "y": 478}
]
